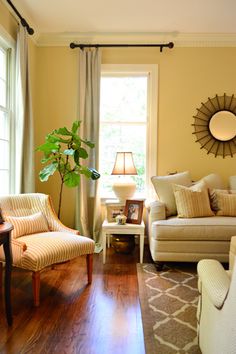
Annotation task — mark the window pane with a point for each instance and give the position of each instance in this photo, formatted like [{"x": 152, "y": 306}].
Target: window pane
[
  {"x": 124, "y": 98},
  {"x": 2, "y": 64},
  {"x": 4, "y": 185},
  {"x": 4, "y": 126},
  {"x": 4, "y": 148},
  {"x": 2, "y": 93},
  {"x": 115, "y": 138}
]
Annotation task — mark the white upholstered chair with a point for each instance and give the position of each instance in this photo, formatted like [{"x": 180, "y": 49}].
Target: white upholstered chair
[
  {"x": 39, "y": 239},
  {"x": 217, "y": 305}
]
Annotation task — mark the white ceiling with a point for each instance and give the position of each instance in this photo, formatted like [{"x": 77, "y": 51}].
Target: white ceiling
[{"x": 130, "y": 16}]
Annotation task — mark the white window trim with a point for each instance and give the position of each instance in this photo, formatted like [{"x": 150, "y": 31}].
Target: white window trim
[
  {"x": 9, "y": 44},
  {"x": 152, "y": 122}
]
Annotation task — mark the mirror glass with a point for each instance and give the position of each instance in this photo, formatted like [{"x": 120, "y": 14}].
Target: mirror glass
[{"x": 223, "y": 125}]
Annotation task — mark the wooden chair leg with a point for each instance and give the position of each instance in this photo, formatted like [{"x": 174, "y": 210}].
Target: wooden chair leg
[
  {"x": 1, "y": 274},
  {"x": 89, "y": 260},
  {"x": 36, "y": 287}
]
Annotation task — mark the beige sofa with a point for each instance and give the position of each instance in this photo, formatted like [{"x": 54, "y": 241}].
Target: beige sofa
[{"x": 173, "y": 238}]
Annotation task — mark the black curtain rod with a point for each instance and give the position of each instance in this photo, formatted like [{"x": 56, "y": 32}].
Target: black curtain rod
[
  {"x": 22, "y": 20},
  {"x": 82, "y": 46}
]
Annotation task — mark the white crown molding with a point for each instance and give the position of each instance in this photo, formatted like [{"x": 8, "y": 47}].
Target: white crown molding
[{"x": 179, "y": 39}]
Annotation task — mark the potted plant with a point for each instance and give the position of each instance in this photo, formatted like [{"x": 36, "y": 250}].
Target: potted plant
[{"x": 63, "y": 152}]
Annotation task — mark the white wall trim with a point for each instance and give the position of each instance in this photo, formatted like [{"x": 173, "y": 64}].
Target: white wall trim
[{"x": 179, "y": 39}]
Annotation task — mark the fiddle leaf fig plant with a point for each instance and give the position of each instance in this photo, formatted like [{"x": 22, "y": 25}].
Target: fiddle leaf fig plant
[{"x": 63, "y": 152}]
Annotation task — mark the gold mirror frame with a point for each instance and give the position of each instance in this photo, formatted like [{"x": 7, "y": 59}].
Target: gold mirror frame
[{"x": 209, "y": 139}]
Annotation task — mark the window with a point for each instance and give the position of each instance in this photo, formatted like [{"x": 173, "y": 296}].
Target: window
[
  {"x": 128, "y": 122},
  {"x": 5, "y": 119}
]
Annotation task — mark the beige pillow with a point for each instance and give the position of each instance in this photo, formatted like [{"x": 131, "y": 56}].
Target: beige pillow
[
  {"x": 26, "y": 225},
  {"x": 232, "y": 182},
  {"x": 214, "y": 197},
  {"x": 192, "y": 202},
  {"x": 164, "y": 190},
  {"x": 213, "y": 181},
  {"x": 226, "y": 204}
]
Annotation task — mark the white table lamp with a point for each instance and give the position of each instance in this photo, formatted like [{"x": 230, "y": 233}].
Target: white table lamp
[{"x": 124, "y": 165}]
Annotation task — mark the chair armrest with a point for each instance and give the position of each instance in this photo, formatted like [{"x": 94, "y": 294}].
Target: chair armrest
[
  {"x": 54, "y": 223},
  {"x": 18, "y": 248},
  {"x": 232, "y": 252},
  {"x": 215, "y": 280},
  {"x": 156, "y": 210}
]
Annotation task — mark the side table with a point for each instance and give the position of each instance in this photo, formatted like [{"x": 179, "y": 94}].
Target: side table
[
  {"x": 5, "y": 236},
  {"x": 109, "y": 228}
]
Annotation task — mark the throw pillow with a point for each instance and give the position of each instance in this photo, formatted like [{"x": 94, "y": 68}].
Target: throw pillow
[
  {"x": 214, "y": 197},
  {"x": 213, "y": 181},
  {"x": 164, "y": 190},
  {"x": 226, "y": 204},
  {"x": 26, "y": 225},
  {"x": 192, "y": 203},
  {"x": 232, "y": 182}
]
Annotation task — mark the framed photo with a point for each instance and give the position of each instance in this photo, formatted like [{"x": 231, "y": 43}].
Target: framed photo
[
  {"x": 1, "y": 217},
  {"x": 134, "y": 211},
  {"x": 113, "y": 210}
]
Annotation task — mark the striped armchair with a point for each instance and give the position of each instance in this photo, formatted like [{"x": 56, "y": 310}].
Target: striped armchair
[{"x": 39, "y": 240}]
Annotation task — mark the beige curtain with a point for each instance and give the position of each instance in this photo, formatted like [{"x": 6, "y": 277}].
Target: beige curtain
[
  {"x": 88, "y": 206},
  {"x": 24, "y": 132}
]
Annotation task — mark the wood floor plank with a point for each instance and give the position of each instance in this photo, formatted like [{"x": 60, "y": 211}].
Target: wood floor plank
[{"x": 74, "y": 317}]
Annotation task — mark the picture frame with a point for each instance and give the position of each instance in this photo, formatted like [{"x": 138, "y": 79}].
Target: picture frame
[
  {"x": 134, "y": 211},
  {"x": 113, "y": 210}
]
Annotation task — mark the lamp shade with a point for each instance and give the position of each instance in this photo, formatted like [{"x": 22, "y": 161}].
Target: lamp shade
[{"x": 124, "y": 164}]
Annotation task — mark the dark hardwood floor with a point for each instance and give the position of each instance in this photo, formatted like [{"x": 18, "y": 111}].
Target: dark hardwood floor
[{"x": 74, "y": 317}]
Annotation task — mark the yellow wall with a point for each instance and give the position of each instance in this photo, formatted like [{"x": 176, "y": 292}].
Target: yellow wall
[{"x": 187, "y": 77}]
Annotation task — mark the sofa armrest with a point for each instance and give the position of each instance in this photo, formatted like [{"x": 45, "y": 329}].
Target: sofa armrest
[
  {"x": 215, "y": 280},
  {"x": 18, "y": 248},
  {"x": 156, "y": 210}
]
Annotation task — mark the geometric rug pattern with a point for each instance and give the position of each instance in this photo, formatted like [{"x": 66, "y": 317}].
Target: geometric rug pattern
[{"x": 169, "y": 304}]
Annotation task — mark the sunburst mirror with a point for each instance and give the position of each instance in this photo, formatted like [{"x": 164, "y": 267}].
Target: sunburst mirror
[{"x": 215, "y": 125}]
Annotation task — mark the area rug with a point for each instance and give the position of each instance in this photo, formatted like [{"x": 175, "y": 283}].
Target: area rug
[{"x": 169, "y": 304}]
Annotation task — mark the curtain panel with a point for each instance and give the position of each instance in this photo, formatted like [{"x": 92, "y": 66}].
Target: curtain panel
[
  {"x": 24, "y": 132},
  {"x": 88, "y": 206}
]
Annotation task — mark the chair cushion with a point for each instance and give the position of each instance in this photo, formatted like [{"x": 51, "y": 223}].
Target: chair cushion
[
  {"x": 45, "y": 249},
  {"x": 192, "y": 202},
  {"x": 25, "y": 225},
  {"x": 164, "y": 190}
]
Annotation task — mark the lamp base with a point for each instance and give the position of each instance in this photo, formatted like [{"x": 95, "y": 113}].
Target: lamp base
[{"x": 124, "y": 190}]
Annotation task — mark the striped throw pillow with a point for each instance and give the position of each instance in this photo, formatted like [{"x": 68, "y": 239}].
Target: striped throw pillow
[
  {"x": 192, "y": 203},
  {"x": 26, "y": 225},
  {"x": 226, "y": 204}
]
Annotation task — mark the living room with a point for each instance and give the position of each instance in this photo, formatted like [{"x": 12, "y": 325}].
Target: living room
[{"x": 200, "y": 66}]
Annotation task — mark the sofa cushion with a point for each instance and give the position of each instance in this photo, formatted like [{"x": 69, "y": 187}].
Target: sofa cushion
[
  {"x": 215, "y": 228},
  {"x": 164, "y": 190},
  {"x": 192, "y": 202},
  {"x": 25, "y": 225},
  {"x": 226, "y": 204}
]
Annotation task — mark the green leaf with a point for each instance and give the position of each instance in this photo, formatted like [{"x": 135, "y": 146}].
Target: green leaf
[
  {"x": 48, "y": 148},
  {"x": 51, "y": 158},
  {"x": 88, "y": 143},
  {"x": 52, "y": 138},
  {"x": 69, "y": 152},
  {"x": 82, "y": 153},
  {"x": 75, "y": 126},
  {"x": 62, "y": 131},
  {"x": 72, "y": 179},
  {"x": 95, "y": 174},
  {"x": 84, "y": 170},
  {"x": 47, "y": 171},
  {"x": 76, "y": 157}
]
